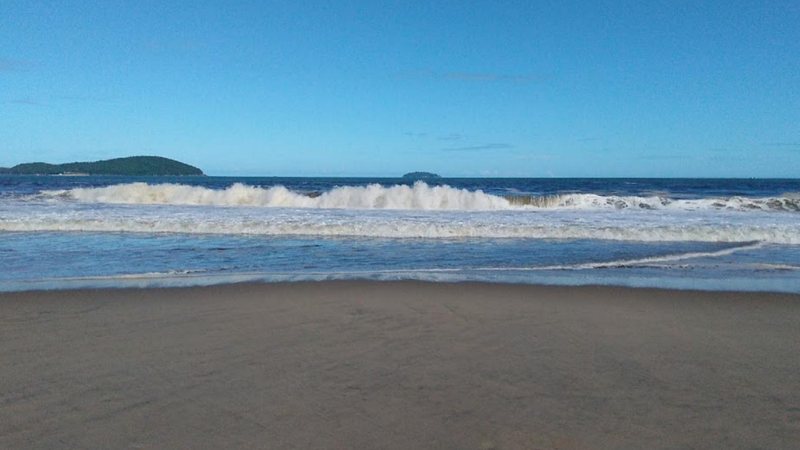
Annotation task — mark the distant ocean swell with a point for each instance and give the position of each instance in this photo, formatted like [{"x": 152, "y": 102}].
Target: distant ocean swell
[{"x": 420, "y": 196}]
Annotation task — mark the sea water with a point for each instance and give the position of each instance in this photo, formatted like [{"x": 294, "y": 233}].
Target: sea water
[{"x": 62, "y": 232}]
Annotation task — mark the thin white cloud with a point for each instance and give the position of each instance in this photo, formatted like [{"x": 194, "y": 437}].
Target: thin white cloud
[
  {"x": 478, "y": 148},
  {"x": 24, "y": 101},
  {"x": 477, "y": 77},
  {"x": 782, "y": 144}
]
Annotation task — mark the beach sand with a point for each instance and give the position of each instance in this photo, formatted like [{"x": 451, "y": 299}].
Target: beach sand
[{"x": 358, "y": 364}]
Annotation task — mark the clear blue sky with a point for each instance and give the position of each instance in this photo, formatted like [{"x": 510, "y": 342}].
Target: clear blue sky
[{"x": 462, "y": 88}]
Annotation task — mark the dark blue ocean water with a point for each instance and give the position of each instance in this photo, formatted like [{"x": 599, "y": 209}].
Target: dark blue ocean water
[{"x": 60, "y": 232}]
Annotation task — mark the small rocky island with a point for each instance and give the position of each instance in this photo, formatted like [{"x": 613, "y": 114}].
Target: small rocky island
[
  {"x": 131, "y": 166},
  {"x": 420, "y": 176}
]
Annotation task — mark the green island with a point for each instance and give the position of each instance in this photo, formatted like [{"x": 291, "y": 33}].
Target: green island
[
  {"x": 132, "y": 166},
  {"x": 420, "y": 176}
]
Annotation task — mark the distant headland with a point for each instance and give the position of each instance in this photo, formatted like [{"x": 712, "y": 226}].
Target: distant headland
[
  {"x": 132, "y": 166},
  {"x": 420, "y": 176}
]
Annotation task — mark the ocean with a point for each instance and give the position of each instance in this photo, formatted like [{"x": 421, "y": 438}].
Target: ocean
[{"x": 88, "y": 231}]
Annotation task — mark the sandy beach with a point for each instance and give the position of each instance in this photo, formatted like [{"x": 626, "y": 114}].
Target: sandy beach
[{"x": 399, "y": 365}]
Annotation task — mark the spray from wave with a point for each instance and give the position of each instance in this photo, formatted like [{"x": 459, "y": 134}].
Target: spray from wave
[
  {"x": 420, "y": 196},
  {"x": 594, "y": 201},
  {"x": 374, "y": 196}
]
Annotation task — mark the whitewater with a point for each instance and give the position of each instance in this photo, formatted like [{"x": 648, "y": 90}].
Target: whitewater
[
  {"x": 404, "y": 211},
  {"x": 418, "y": 196},
  {"x": 114, "y": 230}
]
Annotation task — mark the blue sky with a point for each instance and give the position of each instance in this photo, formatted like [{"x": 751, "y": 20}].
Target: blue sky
[{"x": 462, "y": 88}]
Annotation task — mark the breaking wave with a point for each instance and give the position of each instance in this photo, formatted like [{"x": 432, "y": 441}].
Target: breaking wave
[
  {"x": 374, "y": 196},
  {"x": 594, "y": 201},
  {"x": 420, "y": 196}
]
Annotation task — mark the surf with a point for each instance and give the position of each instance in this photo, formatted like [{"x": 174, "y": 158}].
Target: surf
[{"x": 419, "y": 196}]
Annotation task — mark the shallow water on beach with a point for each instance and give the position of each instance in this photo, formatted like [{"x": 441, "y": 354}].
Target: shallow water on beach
[{"x": 60, "y": 232}]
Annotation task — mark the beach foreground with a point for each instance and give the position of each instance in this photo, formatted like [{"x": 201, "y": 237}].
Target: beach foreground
[{"x": 399, "y": 365}]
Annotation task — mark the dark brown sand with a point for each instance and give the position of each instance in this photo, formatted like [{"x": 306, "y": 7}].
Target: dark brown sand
[{"x": 399, "y": 365}]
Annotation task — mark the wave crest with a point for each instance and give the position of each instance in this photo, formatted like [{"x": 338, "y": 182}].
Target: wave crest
[
  {"x": 594, "y": 201},
  {"x": 420, "y": 196},
  {"x": 373, "y": 196}
]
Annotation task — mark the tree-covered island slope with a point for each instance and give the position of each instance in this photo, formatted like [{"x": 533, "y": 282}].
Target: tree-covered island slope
[
  {"x": 420, "y": 176},
  {"x": 132, "y": 166}
]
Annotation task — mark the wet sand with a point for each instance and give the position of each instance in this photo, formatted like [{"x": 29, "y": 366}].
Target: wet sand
[{"x": 399, "y": 365}]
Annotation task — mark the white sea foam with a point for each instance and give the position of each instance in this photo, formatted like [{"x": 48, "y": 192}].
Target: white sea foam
[
  {"x": 594, "y": 201},
  {"x": 420, "y": 196},
  {"x": 641, "y": 226},
  {"x": 652, "y": 260},
  {"x": 418, "y": 211},
  {"x": 640, "y": 261},
  {"x": 374, "y": 196}
]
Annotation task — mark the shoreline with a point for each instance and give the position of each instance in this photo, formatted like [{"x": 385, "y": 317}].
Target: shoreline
[
  {"x": 398, "y": 364},
  {"x": 131, "y": 283}
]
